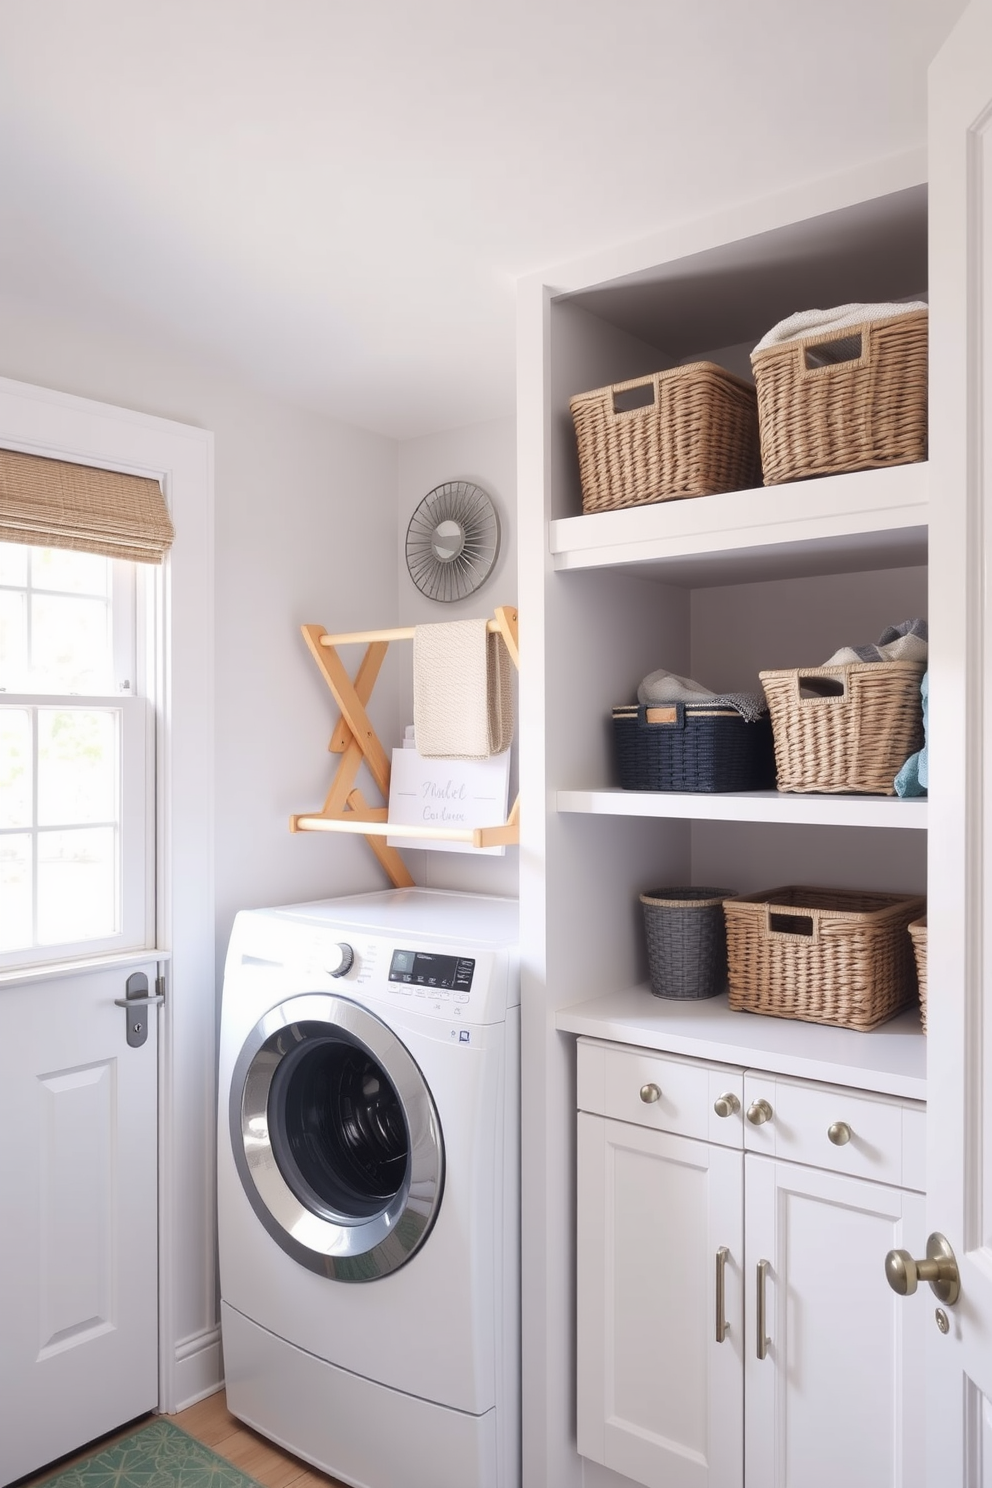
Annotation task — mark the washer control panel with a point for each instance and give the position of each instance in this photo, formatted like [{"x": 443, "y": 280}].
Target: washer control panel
[{"x": 447, "y": 976}]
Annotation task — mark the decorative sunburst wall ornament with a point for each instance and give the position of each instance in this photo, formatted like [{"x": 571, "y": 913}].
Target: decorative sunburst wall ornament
[{"x": 452, "y": 541}]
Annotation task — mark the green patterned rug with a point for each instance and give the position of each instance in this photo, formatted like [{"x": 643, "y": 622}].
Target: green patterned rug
[{"x": 159, "y": 1455}]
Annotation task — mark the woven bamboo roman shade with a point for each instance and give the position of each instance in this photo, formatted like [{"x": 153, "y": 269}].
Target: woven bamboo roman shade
[{"x": 54, "y": 504}]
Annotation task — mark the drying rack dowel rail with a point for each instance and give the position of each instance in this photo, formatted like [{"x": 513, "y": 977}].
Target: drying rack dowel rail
[{"x": 355, "y": 740}]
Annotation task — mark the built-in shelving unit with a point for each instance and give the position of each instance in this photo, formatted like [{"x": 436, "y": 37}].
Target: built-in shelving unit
[{"x": 717, "y": 588}]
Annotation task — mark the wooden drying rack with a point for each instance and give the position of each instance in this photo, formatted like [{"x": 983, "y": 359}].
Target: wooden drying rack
[{"x": 355, "y": 740}]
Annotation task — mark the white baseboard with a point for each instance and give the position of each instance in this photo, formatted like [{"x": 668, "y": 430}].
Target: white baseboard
[{"x": 198, "y": 1370}]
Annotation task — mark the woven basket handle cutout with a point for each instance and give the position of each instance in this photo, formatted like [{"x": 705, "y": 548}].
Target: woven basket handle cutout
[
  {"x": 837, "y": 354},
  {"x": 634, "y": 399},
  {"x": 802, "y": 923},
  {"x": 665, "y": 715},
  {"x": 812, "y": 689}
]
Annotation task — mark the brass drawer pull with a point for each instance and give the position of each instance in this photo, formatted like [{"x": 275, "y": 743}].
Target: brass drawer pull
[
  {"x": 650, "y": 1094},
  {"x": 839, "y": 1133},
  {"x": 759, "y": 1112},
  {"x": 727, "y": 1105}
]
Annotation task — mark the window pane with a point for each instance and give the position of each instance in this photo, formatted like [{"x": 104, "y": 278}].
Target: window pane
[
  {"x": 13, "y": 564},
  {"x": 15, "y": 892},
  {"x": 77, "y": 766},
  {"x": 77, "y": 888},
  {"x": 76, "y": 573},
  {"x": 71, "y": 644},
  {"x": 13, "y": 641},
  {"x": 15, "y": 767}
]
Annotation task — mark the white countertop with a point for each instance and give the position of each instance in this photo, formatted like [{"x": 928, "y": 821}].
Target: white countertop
[{"x": 892, "y": 1059}]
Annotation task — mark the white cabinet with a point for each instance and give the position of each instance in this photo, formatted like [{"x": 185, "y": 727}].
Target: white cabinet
[{"x": 734, "y": 1327}]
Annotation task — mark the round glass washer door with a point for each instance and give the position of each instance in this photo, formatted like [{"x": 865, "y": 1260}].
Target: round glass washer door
[{"x": 336, "y": 1138}]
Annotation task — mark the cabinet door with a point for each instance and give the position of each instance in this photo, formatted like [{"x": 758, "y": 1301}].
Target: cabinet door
[
  {"x": 659, "y": 1225},
  {"x": 838, "y": 1397}
]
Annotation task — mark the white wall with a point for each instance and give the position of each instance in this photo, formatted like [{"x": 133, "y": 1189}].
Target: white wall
[{"x": 485, "y": 454}]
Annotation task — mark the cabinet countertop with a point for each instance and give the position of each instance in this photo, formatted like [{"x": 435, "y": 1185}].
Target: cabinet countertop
[{"x": 891, "y": 1060}]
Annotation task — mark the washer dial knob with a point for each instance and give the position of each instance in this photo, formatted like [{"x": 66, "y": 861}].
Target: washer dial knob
[{"x": 340, "y": 959}]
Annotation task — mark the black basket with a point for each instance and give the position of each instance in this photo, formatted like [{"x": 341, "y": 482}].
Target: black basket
[
  {"x": 692, "y": 747},
  {"x": 687, "y": 941}
]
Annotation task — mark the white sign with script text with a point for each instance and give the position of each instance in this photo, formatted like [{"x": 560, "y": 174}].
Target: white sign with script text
[{"x": 452, "y": 793}]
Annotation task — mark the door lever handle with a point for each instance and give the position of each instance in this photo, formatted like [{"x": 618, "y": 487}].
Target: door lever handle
[{"x": 136, "y": 1000}]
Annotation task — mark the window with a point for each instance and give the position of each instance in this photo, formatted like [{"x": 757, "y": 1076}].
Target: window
[{"x": 74, "y": 870}]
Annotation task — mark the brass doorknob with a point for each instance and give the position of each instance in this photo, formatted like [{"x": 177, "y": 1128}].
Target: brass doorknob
[
  {"x": 759, "y": 1112},
  {"x": 650, "y": 1093},
  {"x": 940, "y": 1269},
  {"x": 727, "y": 1105}
]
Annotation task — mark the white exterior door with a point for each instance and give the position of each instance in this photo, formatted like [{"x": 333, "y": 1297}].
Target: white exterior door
[
  {"x": 78, "y": 1178},
  {"x": 659, "y": 1261},
  {"x": 959, "y": 1004}
]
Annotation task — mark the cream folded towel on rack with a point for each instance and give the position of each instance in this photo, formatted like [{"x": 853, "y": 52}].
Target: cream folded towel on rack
[{"x": 462, "y": 699}]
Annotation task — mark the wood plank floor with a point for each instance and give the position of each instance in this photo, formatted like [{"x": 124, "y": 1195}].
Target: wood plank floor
[{"x": 211, "y": 1423}]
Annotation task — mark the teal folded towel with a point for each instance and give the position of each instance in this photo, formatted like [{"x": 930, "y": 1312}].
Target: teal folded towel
[{"x": 914, "y": 776}]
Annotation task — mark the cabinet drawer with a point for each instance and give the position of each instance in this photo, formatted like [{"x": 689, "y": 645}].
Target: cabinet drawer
[
  {"x": 842, "y": 1130},
  {"x": 662, "y": 1091}
]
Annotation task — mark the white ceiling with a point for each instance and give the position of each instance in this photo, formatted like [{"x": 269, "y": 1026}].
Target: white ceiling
[{"x": 335, "y": 199}]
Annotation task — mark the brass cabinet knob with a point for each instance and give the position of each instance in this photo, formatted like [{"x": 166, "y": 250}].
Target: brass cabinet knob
[
  {"x": 839, "y": 1133},
  {"x": 727, "y": 1105},
  {"x": 940, "y": 1269},
  {"x": 650, "y": 1094},
  {"x": 759, "y": 1112}
]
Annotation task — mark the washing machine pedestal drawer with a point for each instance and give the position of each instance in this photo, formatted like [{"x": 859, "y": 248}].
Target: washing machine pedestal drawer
[{"x": 349, "y": 1426}]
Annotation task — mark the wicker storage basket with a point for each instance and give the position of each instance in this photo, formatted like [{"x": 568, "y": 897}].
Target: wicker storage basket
[
  {"x": 822, "y": 955},
  {"x": 690, "y": 431},
  {"x": 845, "y": 728},
  {"x": 918, "y": 932},
  {"x": 687, "y": 941},
  {"x": 691, "y": 747},
  {"x": 820, "y": 414}
]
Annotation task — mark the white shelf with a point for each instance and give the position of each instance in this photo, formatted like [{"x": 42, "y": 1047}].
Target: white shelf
[
  {"x": 751, "y": 806},
  {"x": 892, "y": 1059},
  {"x": 837, "y": 524}
]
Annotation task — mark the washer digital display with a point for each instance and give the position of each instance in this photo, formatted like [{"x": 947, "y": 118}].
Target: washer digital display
[{"x": 421, "y": 969}]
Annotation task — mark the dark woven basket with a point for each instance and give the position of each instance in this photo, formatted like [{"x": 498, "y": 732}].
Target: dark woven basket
[
  {"x": 687, "y": 941},
  {"x": 691, "y": 747}
]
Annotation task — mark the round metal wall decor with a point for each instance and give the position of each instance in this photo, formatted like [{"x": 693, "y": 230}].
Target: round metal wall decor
[{"x": 452, "y": 541}]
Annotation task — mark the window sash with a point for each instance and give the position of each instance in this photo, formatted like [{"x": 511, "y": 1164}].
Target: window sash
[{"x": 133, "y": 866}]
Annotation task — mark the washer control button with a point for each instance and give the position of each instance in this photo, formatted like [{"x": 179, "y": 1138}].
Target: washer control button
[{"x": 340, "y": 959}]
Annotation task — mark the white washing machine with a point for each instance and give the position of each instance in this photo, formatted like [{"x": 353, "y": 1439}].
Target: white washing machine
[{"x": 368, "y": 1185}]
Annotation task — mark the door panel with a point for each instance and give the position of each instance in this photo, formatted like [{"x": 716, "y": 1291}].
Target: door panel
[
  {"x": 659, "y": 1399},
  {"x": 78, "y": 1174},
  {"x": 959, "y": 1004},
  {"x": 838, "y": 1397}
]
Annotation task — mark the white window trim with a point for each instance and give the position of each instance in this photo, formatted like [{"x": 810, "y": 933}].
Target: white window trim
[{"x": 179, "y": 649}]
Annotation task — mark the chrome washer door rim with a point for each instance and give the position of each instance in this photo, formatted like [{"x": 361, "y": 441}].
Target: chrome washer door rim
[{"x": 342, "y": 1247}]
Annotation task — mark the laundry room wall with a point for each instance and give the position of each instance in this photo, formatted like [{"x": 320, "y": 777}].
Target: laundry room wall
[
  {"x": 486, "y": 455},
  {"x": 305, "y": 531}
]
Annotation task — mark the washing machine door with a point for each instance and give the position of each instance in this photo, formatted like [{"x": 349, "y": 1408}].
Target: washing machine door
[{"x": 336, "y": 1137}]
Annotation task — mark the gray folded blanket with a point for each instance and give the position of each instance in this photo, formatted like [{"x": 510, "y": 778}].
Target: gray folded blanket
[
  {"x": 667, "y": 687},
  {"x": 906, "y": 641}
]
